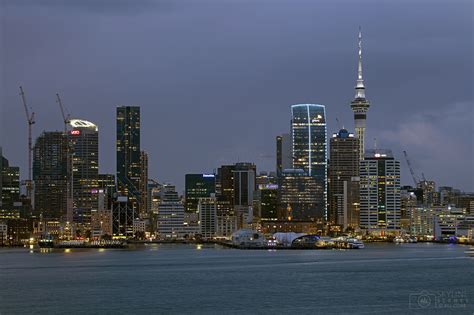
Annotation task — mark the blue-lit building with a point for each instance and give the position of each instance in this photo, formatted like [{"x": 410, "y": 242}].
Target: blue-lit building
[{"x": 309, "y": 146}]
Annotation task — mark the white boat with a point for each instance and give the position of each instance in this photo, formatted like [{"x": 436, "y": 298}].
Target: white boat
[
  {"x": 355, "y": 243},
  {"x": 399, "y": 240}
]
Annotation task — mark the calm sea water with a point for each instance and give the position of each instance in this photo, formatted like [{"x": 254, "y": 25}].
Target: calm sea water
[{"x": 169, "y": 279}]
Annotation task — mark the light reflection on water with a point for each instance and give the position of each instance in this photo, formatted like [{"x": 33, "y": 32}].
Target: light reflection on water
[{"x": 378, "y": 278}]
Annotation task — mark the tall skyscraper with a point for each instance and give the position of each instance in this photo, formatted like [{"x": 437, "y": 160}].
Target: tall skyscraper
[
  {"x": 360, "y": 104},
  {"x": 128, "y": 153},
  {"x": 343, "y": 179},
  {"x": 198, "y": 186},
  {"x": 309, "y": 138},
  {"x": 379, "y": 192},
  {"x": 84, "y": 152},
  {"x": 50, "y": 172}
]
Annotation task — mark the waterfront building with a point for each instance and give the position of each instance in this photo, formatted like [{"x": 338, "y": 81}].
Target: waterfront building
[
  {"x": 284, "y": 156},
  {"x": 207, "y": 208},
  {"x": 128, "y": 151},
  {"x": 344, "y": 180},
  {"x": 170, "y": 218},
  {"x": 309, "y": 139},
  {"x": 379, "y": 192},
  {"x": 299, "y": 197},
  {"x": 226, "y": 219},
  {"x": 198, "y": 186},
  {"x": 268, "y": 203},
  {"x": 84, "y": 156},
  {"x": 248, "y": 238},
  {"x": 9, "y": 189},
  {"x": 360, "y": 105},
  {"x": 50, "y": 173},
  {"x": 102, "y": 217}
]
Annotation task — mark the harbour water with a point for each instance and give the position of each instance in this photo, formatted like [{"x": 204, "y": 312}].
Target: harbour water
[{"x": 167, "y": 279}]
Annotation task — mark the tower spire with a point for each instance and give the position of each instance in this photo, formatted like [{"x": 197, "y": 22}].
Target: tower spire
[{"x": 360, "y": 88}]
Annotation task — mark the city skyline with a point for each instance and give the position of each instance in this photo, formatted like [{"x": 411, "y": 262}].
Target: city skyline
[{"x": 422, "y": 129}]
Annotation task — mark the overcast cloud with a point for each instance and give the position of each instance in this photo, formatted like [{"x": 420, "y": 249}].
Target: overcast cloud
[{"x": 215, "y": 79}]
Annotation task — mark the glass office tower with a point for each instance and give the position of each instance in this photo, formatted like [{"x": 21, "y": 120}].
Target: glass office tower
[{"x": 308, "y": 133}]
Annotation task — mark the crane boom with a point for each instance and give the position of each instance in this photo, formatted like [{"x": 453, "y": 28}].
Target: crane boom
[
  {"x": 415, "y": 180},
  {"x": 30, "y": 118},
  {"x": 66, "y": 118}
]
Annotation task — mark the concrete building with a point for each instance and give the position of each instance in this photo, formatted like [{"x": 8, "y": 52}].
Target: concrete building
[
  {"x": 207, "y": 208},
  {"x": 360, "y": 105},
  {"x": 379, "y": 192},
  {"x": 170, "y": 219}
]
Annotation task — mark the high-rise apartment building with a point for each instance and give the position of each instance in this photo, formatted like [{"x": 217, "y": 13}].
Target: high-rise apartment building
[
  {"x": 50, "y": 173},
  {"x": 309, "y": 139},
  {"x": 379, "y": 192},
  {"x": 344, "y": 179},
  {"x": 129, "y": 154},
  {"x": 207, "y": 208}
]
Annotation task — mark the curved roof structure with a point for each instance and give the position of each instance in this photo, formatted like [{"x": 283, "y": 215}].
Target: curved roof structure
[{"x": 81, "y": 123}]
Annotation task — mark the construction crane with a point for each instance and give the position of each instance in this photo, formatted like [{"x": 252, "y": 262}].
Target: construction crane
[
  {"x": 415, "y": 180},
  {"x": 66, "y": 117},
  {"x": 30, "y": 118}
]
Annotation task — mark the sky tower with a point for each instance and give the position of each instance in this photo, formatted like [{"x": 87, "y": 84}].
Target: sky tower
[{"x": 360, "y": 104}]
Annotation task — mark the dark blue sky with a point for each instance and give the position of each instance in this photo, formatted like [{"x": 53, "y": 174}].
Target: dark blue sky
[{"x": 215, "y": 79}]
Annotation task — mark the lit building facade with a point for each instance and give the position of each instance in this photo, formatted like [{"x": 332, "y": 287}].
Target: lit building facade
[
  {"x": 9, "y": 189},
  {"x": 299, "y": 197},
  {"x": 170, "y": 218},
  {"x": 84, "y": 153},
  {"x": 128, "y": 154},
  {"x": 379, "y": 192},
  {"x": 344, "y": 179},
  {"x": 50, "y": 173},
  {"x": 198, "y": 186},
  {"x": 309, "y": 139},
  {"x": 207, "y": 208}
]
